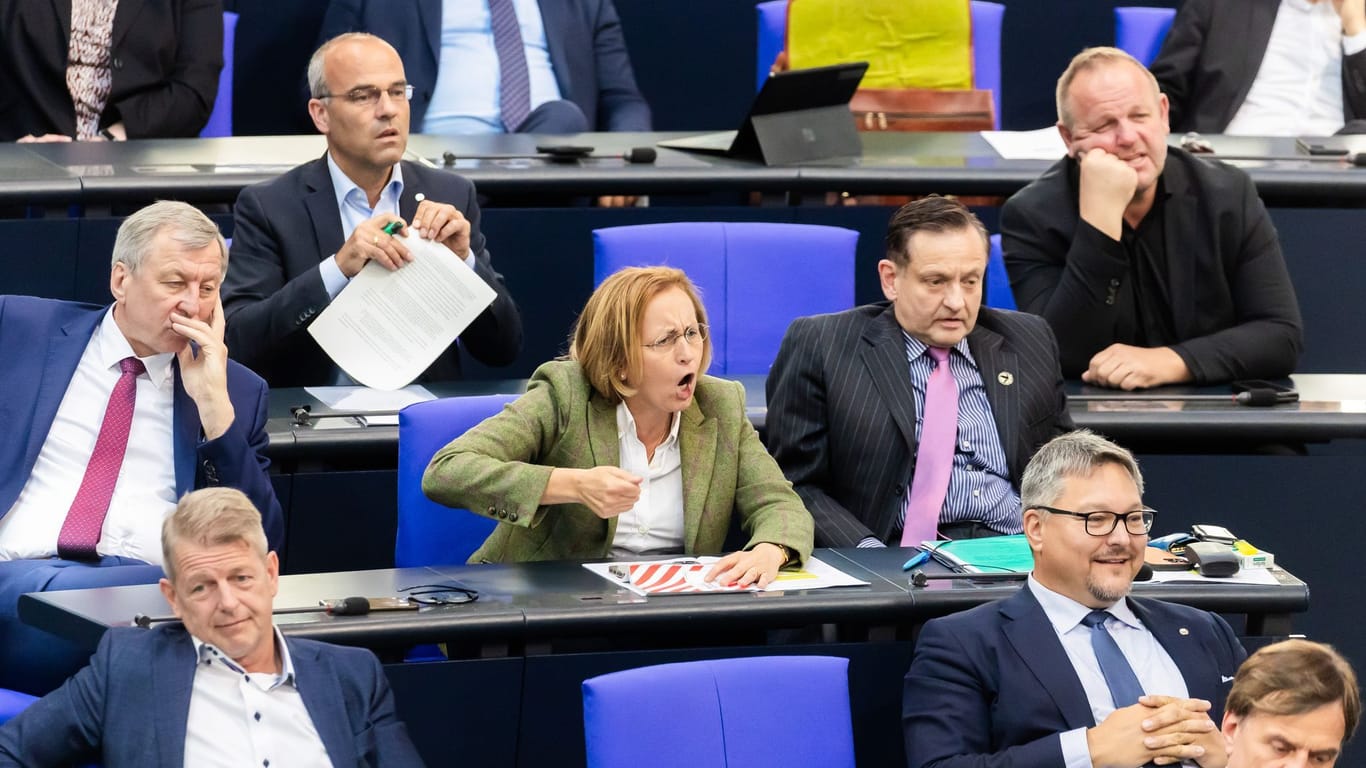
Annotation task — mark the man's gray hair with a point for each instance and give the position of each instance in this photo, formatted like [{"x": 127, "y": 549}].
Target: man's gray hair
[
  {"x": 1074, "y": 454},
  {"x": 1088, "y": 59},
  {"x": 186, "y": 225},
  {"x": 317, "y": 79}
]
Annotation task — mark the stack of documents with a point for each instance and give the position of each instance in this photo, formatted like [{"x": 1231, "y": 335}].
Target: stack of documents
[{"x": 686, "y": 576}]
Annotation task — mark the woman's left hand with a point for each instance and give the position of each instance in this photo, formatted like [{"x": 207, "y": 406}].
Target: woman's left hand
[{"x": 756, "y": 566}]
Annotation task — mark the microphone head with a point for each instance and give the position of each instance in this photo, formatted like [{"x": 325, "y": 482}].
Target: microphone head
[
  {"x": 641, "y": 155},
  {"x": 1358, "y": 159},
  {"x": 1258, "y": 397},
  {"x": 351, "y": 606},
  {"x": 1145, "y": 573}
]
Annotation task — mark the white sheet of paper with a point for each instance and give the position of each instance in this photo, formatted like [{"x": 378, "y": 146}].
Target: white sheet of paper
[
  {"x": 1043, "y": 144},
  {"x": 1245, "y": 576},
  {"x": 814, "y": 574},
  {"x": 366, "y": 399},
  {"x": 385, "y": 328}
]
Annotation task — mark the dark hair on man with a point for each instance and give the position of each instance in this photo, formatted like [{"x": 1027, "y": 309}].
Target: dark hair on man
[
  {"x": 928, "y": 214},
  {"x": 1294, "y": 677}
]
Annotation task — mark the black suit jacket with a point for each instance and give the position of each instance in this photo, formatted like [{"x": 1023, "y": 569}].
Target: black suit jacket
[
  {"x": 992, "y": 687},
  {"x": 841, "y": 411},
  {"x": 166, "y": 56},
  {"x": 1233, "y": 306},
  {"x": 285, "y": 227},
  {"x": 587, "y": 52},
  {"x": 1211, "y": 56}
]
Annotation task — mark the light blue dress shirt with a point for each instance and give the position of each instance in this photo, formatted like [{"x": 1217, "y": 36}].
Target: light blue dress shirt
[
  {"x": 467, "y": 95},
  {"x": 1156, "y": 671},
  {"x": 354, "y": 207}
]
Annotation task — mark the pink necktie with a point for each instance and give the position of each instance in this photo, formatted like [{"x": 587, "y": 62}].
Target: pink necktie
[
  {"x": 81, "y": 531},
  {"x": 514, "y": 82},
  {"x": 934, "y": 457}
]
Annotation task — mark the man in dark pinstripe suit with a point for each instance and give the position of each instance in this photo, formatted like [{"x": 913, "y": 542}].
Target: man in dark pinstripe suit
[{"x": 846, "y": 393}]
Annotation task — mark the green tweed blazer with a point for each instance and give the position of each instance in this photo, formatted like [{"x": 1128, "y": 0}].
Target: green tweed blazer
[{"x": 501, "y": 467}]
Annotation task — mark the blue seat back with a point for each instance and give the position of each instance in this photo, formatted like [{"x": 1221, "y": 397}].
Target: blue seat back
[
  {"x": 430, "y": 533},
  {"x": 987, "y": 19},
  {"x": 755, "y": 277},
  {"x": 721, "y": 713},
  {"x": 772, "y": 37},
  {"x": 220, "y": 119},
  {"x": 998, "y": 293},
  {"x": 13, "y": 702},
  {"x": 1140, "y": 31}
]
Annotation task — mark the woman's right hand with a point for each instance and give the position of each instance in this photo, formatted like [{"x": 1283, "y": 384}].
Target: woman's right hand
[{"x": 608, "y": 491}]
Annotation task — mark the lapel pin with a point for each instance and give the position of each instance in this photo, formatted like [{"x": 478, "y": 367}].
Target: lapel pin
[
  {"x": 1183, "y": 631},
  {"x": 1006, "y": 378},
  {"x": 419, "y": 197}
]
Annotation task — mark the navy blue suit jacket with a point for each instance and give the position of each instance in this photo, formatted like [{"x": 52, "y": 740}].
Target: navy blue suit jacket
[
  {"x": 284, "y": 227},
  {"x": 131, "y": 705},
  {"x": 41, "y": 342},
  {"x": 587, "y": 52},
  {"x": 992, "y": 686}
]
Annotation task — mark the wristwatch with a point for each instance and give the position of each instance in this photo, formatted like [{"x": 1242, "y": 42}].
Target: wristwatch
[{"x": 788, "y": 553}]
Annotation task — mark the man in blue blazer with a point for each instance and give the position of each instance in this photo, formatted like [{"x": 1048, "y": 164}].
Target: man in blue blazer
[
  {"x": 1071, "y": 671},
  {"x": 300, "y": 238},
  {"x": 198, "y": 420},
  {"x": 582, "y": 38},
  {"x": 223, "y": 680}
]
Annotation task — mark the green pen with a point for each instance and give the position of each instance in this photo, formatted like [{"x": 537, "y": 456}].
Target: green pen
[{"x": 392, "y": 227}]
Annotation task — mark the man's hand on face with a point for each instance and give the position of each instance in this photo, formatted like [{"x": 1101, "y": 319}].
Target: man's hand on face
[
  {"x": 205, "y": 375},
  {"x": 1160, "y": 729},
  {"x": 445, "y": 224},
  {"x": 1353, "y": 15},
  {"x": 1127, "y": 367},
  {"x": 369, "y": 242},
  {"x": 1107, "y": 187}
]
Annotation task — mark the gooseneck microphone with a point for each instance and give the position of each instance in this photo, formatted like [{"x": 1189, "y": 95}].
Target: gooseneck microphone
[
  {"x": 1256, "y": 397},
  {"x": 920, "y": 579}
]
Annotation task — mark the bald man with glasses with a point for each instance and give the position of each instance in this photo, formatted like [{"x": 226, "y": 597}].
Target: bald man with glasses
[
  {"x": 300, "y": 238},
  {"x": 1071, "y": 670}
]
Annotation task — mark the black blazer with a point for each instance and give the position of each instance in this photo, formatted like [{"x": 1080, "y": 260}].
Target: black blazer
[
  {"x": 1212, "y": 54},
  {"x": 166, "y": 56},
  {"x": 587, "y": 52},
  {"x": 1233, "y": 306},
  {"x": 284, "y": 227},
  {"x": 841, "y": 411}
]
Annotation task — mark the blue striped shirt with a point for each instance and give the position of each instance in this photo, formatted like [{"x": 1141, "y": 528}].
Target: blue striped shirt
[{"x": 979, "y": 487}]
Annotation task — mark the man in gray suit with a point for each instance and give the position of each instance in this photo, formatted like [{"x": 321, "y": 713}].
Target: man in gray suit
[{"x": 846, "y": 393}]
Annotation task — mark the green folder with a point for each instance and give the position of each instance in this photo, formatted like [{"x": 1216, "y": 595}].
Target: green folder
[{"x": 994, "y": 554}]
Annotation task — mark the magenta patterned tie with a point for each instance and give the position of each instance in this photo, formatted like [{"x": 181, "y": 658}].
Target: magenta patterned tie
[
  {"x": 81, "y": 531},
  {"x": 514, "y": 84},
  {"x": 934, "y": 457}
]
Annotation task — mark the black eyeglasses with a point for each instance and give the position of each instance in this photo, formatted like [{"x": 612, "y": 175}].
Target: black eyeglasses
[
  {"x": 1136, "y": 523},
  {"x": 440, "y": 594},
  {"x": 368, "y": 96}
]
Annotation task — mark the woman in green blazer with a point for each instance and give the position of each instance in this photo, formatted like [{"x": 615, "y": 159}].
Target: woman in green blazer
[{"x": 626, "y": 448}]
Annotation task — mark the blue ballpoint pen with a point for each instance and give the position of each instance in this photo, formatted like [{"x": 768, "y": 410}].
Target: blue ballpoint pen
[{"x": 916, "y": 561}]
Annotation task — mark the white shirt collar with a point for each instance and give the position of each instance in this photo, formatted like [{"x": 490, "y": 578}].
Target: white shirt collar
[
  {"x": 208, "y": 653},
  {"x": 626, "y": 425},
  {"x": 344, "y": 186},
  {"x": 1065, "y": 614},
  {"x": 112, "y": 347}
]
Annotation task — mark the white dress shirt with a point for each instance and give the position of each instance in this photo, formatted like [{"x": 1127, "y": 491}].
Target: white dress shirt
[
  {"x": 146, "y": 490},
  {"x": 467, "y": 95},
  {"x": 241, "y": 719},
  {"x": 1156, "y": 671},
  {"x": 1298, "y": 89},
  {"x": 655, "y": 524}
]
